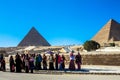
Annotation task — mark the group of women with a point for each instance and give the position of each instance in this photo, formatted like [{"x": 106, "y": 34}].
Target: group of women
[{"x": 30, "y": 62}]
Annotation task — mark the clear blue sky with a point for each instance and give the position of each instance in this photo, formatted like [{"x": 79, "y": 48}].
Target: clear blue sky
[{"x": 61, "y": 22}]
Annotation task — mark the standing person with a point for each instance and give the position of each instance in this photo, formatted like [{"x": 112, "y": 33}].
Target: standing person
[
  {"x": 59, "y": 62},
  {"x": 31, "y": 63},
  {"x": 78, "y": 60},
  {"x": 18, "y": 63},
  {"x": 63, "y": 62},
  {"x": 44, "y": 62},
  {"x": 39, "y": 61},
  {"x": 1, "y": 58},
  {"x": 72, "y": 64},
  {"x": 36, "y": 62},
  {"x": 51, "y": 62},
  {"x": 0, "y": 62},
  {"x": 27, "y": 64},
  {"x": 3, "y": 64},
  {"x": 23, "y": 61},
  {"x": 12, "y": 64},
  {"x": 56, "y": 61}
]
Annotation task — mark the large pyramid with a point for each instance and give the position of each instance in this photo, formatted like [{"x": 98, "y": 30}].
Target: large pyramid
[
  {"x": 110, "y": 33},
  {"x": 33, "y": 38}
]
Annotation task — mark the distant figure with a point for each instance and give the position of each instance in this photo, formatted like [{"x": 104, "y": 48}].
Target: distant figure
[
  {"x": 63, "y": 61},
  {"x": 12, "y": 64},
  {"x": 56, "y": 61},
  {"x": 3, "y": 64},
  {"x": 59, "y": 62},
  {"x": 1, "y": 58},
  {"x": 78, "y": 61},
  {"x": 23, "y": 61},
  {"x": 26, "y": 63},
  {"x": 31, "y": 63},
  {"x": 18, "y": 63},
  {"x": 72, "y": 64},
  {"x": 44, "y": 62},
  {"x": 51, "y": 62},
  {"x": 38, "y": 62},
  {"x": 0, "y": 62}
]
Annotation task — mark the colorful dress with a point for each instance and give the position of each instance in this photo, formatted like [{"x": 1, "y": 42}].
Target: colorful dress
[{"x": 72, "y": 64}]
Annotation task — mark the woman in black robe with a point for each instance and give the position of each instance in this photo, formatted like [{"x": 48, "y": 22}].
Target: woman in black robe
[
  {"x": 12, "y": 64},
  {"x": 18, "y": 63}
]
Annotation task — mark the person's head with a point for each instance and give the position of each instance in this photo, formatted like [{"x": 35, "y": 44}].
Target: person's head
[
  {"x": 51, "y": 54},
  {"x": 44, "y": 54},
  {"x": 71, "y": 54},
  {"x": 72, "y": 51},
  {"x": 56, "y": 54},
  {"x": 11, "y": 57},
  {"x": 39, "y": 54}
]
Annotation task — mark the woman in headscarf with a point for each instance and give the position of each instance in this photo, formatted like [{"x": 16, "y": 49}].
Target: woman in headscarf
[
  {"x": 78, "y": 60},
  {"x": 31, "y": 63},
  {"x": 72, "y": 64},
  {"x": 3, "y": 64},
  {"x": 27, "y": 63},
  {"x": 63, "y": 62},
  {"x": 44, "y": 62},
  {"x": 51, "y": 62},
  {"x": 18, "y": 63},
  {"x": 12, "y": 64},
  {"x": 56, "y": 61}
]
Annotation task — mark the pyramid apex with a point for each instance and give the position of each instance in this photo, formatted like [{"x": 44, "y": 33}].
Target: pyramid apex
[
  {"x": 112, "y": 20},
  {"x": 33, "y": 28}
]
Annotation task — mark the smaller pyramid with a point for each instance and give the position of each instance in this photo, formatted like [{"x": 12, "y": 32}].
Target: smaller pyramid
[
  {"x": 33, "y": 38},
  {"x": 109, "y": 33}
]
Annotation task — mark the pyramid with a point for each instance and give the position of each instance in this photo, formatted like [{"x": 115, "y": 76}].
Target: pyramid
[
  {"x": 110, "y": 33},
  {"x": 33, "y": 38}
]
